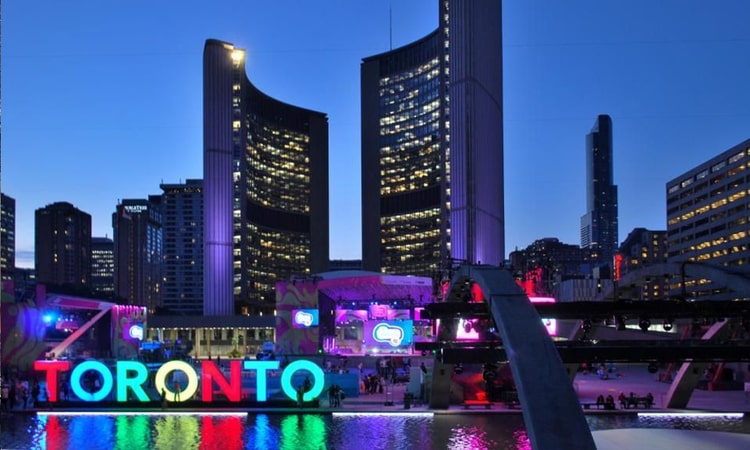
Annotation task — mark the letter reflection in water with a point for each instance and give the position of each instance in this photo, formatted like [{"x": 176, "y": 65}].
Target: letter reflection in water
[
  {"x": 132, "y": 430},
  {"x": 303, "y": 431},
  {"x": 222, "y": 433},
  {"x": 176, "y": 432}
]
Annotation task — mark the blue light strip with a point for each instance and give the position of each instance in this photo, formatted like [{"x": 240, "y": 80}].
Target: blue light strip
[
  {"x": 693, "y": 414},
  {"x": 139, "y": 413},
  {"x": 382, "y": 414}
]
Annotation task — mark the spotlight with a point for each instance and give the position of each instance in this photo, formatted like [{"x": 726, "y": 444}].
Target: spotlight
[
  {"x": 668, "y": 324},
  {"x": 644, "y": 324},
  {"x": 490, "y": 372}
]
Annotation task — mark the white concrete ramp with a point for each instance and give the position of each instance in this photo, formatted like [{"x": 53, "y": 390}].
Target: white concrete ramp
[{"x": 659, "y": 439}]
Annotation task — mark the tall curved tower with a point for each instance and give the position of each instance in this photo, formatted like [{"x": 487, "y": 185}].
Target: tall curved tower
[
  {"x": 265, "y": 170},
  {"x": 432, "y": 146}
]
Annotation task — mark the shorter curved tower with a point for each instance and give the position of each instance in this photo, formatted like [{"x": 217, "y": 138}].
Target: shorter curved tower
[{"x": 265, "y": 169}]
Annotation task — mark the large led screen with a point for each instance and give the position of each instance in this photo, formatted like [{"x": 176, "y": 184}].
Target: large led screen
[
  {"x": 388, "y": 334},
  {"x": 304, "y": 318},
  {"x": 549, "y": 324}
]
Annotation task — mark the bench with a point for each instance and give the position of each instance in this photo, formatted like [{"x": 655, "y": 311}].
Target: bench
[
  {"x": 510, "y": 398},
  {"x": 469, "y": 403},
  {"x": 512, "y": 403},
  {"x": 629, "y": 402},
  {"x": 588, "y": 405}
]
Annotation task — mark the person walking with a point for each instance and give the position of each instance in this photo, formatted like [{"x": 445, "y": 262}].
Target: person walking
[{"x": 163, "y": 397}]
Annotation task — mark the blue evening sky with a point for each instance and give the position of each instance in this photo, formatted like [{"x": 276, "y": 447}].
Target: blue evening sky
[{"x": 102, "y": 99}]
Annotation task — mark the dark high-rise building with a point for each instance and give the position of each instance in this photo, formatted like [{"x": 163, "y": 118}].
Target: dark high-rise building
[
  {"x": 7, "y": 236},
  {"x": 62, "y": 248},
  {"x": 643, "y": 248},
  {"x": 547, "y": 262},
  {"x": 265, "y": 180},
  {"x": 432, "y": 146},
  {"x": 599, "y": 224},
  {"x": 182, "y": 290},
  {"x": 103, "y": 267},
  {"x": 137, "y": 226}
]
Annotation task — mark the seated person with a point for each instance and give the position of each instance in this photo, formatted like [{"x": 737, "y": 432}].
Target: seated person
[
  {"x": 600, "y": 400},
  {"x": 610, "y": 402}
]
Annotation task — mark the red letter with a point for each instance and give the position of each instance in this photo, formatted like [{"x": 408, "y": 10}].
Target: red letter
[
  {"x": 52, "y": 367},
  {"x": 211, "y": 373}
]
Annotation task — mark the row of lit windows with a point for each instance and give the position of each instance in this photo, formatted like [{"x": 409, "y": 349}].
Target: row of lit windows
[
  {"x": 411, "y": 124},
  {"x": 414, "y": 109},
  {"x": 715, "y": 168},
  {"x": 400, "y": 101},
  {"x": 278, "y": 171},
  {"x": 721, "y": 241},
  {"x": 705, "y": 208},
  {"x": 402, "y": 76}
]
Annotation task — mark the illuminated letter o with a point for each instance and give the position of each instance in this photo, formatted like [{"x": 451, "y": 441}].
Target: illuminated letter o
[
  {"x": 187, "y": 392},
  {"x": 96, "y": 366},
  {"x": 319, "y": 379}
]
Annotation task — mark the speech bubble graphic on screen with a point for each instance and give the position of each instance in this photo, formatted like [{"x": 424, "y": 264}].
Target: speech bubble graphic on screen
[
  {"x": 303, "y": 318},
  {"x": 136, "y": 332},
  {"x": 391, "y": 334}
]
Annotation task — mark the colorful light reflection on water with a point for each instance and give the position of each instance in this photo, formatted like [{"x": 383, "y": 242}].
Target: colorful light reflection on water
[
  {"x": 304, "y": 431},
  {"x": 262, "y": 431}
]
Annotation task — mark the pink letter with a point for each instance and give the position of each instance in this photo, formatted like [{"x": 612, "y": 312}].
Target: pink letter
[
  {"x": 211, "y": 373},
  {"x": 52, "y": 367}
]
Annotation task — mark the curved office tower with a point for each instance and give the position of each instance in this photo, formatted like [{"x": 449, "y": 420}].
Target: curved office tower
[
  {"x": 265, "y": 169},
  {"x": 432, "y": 146}
]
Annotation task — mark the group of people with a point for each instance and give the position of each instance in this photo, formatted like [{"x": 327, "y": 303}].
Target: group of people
[
  {"x": 626, "y": 401},
  {"x": 18, "y": 394},
  {"x": 606, "y": 403},
  {"x": 372, "y": 384},
  {"x": 335, "y": 396},
  {"x": 340, "y": 366}
]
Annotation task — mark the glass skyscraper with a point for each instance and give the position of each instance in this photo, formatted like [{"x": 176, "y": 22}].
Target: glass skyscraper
[
  {"x": 265, "y": 172},
  {"x": 599, "y": 224},
  {"x": 432, "y": 146},
  {"x": 182, "y": 269},
  {"x": 7, "y": 236},
  {"x": 137, "y": 226},
  {"x": 103, "y": 267}
]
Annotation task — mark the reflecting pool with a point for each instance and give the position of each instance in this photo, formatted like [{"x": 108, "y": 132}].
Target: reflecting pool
[{"x": 337, "y": 431}]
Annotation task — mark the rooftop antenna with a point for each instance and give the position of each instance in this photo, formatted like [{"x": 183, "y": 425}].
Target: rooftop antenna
[{"x": 390, "y": 25}]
